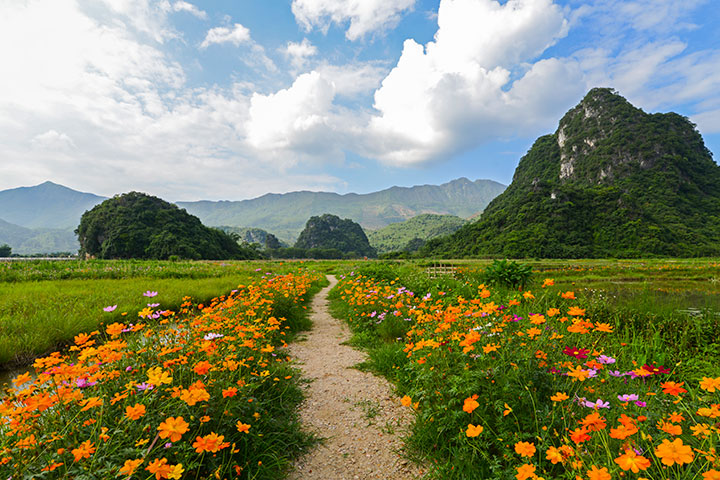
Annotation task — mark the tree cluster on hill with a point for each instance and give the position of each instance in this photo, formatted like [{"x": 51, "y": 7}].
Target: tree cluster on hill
[
  {"x": 136, "y": 225},
  {"x": 328, "y": 237},
  {"x": 5, "y": 250},
  {"x": 612, "y": 181}
]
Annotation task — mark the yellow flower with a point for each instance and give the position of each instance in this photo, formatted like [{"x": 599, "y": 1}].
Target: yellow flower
[{"x": 157, "y": 376}]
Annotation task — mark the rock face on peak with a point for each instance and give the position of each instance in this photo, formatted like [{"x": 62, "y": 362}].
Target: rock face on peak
[{"x": 612, "y": 181}]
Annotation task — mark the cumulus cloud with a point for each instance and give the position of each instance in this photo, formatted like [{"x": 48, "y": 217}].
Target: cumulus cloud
[
  {"x": 181, "y": 6},
  {"x": 53, "y": 140},
  {"x": 236, "y": 35},
  {"x": 458, "y": 90},
  {"x": 300, "y": 52},
  {"x": 365, "y": 16}
]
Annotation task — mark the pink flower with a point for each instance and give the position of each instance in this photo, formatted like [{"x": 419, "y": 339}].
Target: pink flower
[
  {"x": 150, "y": 294},
  {"x": 110, "y": 308}
]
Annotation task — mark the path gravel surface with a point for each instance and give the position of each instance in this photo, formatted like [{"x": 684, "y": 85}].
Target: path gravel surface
[{"x": 356, "y": 413}]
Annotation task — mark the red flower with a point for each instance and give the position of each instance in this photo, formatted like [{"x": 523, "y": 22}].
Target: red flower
[
  {"x": 656, "y": 370},
  {"x": 579, "y": 353}
]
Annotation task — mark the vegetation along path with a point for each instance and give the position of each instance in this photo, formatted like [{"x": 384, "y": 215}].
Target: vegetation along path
[{"x": 354, "y": 412}]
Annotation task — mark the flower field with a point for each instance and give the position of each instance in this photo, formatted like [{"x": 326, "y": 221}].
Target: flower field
[
  {"x": 512, "y": 384},
  {"x": 205, "y": 392}
]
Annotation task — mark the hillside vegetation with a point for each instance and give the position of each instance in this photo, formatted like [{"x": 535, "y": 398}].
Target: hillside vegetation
[
  {"x": 136, "y": 225},
  {"x": 412, "y": 234},
  {"x": 612, "y": 181}
]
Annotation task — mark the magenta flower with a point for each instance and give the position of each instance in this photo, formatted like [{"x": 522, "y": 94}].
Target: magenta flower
[
  {"x": 83, "y": 383},
  {"x": 153, "y": 305},
  {"x": 597, "y": 404},
  {"x": 605, "y": 360},
  {"x": 110, "y": 308},
  {"x": 628, "y": 397},
  {"x": 579, "y": 353},
  {"x": 149, "y": 294}
]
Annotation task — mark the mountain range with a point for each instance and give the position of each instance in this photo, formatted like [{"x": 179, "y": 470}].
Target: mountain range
[{"x": 42, "y": 218}]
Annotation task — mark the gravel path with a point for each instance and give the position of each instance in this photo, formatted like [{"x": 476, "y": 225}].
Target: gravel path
[{"x": 355, "y": 412}]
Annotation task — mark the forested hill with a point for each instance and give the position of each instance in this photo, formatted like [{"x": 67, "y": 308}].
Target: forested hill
[
  {"x": 612, "y": 181},
  {"x": 285, "y": 214},
  {"x": 412, "y": 234}
]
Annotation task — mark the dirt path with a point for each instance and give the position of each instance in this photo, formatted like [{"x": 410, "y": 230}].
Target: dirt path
[{"x": 355, "y": 412}]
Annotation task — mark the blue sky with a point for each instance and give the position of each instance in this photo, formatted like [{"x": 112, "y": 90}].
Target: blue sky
[{"x": 231, "y": 99}]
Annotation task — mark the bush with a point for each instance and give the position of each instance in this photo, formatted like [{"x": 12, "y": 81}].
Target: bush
[{"x": 507, "y": 274}]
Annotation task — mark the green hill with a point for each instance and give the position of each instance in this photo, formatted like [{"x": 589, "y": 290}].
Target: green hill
[
  {"x": 47, "y": 205},
  {"x": 136, "y": 225},
  {"x": 329, "y": 232},
  {"x": 286, "y": 214},
  {"x": 405, "y": 235},
  {"x": 37, "y": 240},
  {"x": 612, "y": 181}
]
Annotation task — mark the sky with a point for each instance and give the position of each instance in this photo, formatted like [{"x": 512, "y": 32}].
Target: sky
[{"x": 232, "y": 99}]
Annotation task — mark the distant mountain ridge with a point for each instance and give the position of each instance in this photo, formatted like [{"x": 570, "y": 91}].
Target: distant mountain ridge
[
  {"x": 41, "y": 219},
  {"x": 285, "y": 214}
]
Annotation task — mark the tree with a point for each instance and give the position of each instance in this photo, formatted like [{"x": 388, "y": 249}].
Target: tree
[{"x": 5, "y": 250}]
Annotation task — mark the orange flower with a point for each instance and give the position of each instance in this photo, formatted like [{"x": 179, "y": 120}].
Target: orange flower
[
  {"x": 552, "y": 312},
  {"x": 670, "y": 428},
  {"x": 406, "y": 401},
  {"x": 623, "y": 431},
  {"x": 491, "y": 347},
  {"x": 158, "y": 377},
  {"x": 711, "y": 475},
  {"x": 676, "y": 417},
  {"x": 576, "y": 311},
  {"x": 83, "y": 451},
  {"x": 525, "y": 449},
  {"x": 242, "y": 427},
  {"x": 135, "y": 412},
  {"x": 473, "y": 431},
  {"x": 90, "y": 403},
  {"x": 528, "y": 295},
  {"x": 559, "y": 397},
  {"x": 115, "y": 329},
  {"x": 210, "y": 443},
  {"x": 554, "y": 455},
  {"x": 603, "y": 327},
  {"x": 579, "y": 435},
  {"x": 673, "y": 388},
  {"x": 569, "y": 295},
  {"x": 710, "y": 384},
  {"x": 578, "y": 373},
  {"x": 526, "y": 471},
  {"x": 632, "y": 461},
  {"x": 160, "y": 468},
  {"x": 598, "y": 473},
  {"x": 202, "y": 367},
  {"x": 470, "y": 404},
  {"x": 674, "y": 452},
  {"x": 173, "y": 428},
  {"x": 229, "y": 392},
  {"x": 549, "y": 282},
  {"x": 594, "y": 422},
  {"x": 130, "y": 466}
]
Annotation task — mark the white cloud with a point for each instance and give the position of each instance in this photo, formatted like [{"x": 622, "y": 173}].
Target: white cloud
[
  {"x": 54, "y": 141},
  {"x": 458, "y": 90},
  {"x": 236, "y": 35},
  {"x": 365, "y": 16},
  {"x": 181, "y": 6},
  {"x": 296, "y": 119},
  {"x": 299, "y": 53},
  {"x": 354, "y": 79}
]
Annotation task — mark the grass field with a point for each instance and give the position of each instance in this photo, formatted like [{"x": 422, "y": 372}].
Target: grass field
[{"x": 44, "y": 304}]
